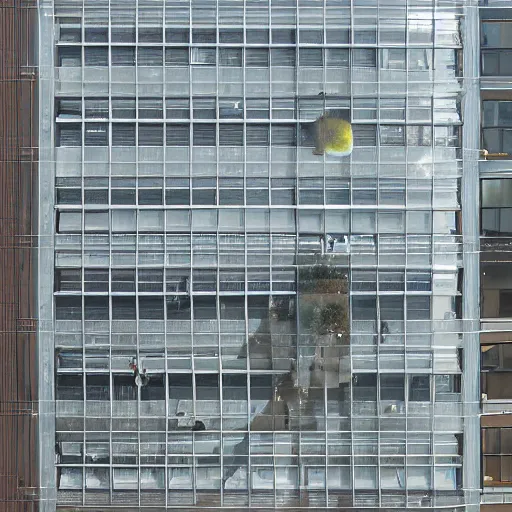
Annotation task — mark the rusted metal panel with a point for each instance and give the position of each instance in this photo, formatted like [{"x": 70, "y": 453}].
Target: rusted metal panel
[
  {"x": 496, "y": 420},
  {"x": 18, "y": 377},
  {"x": 502, "y": 507}
]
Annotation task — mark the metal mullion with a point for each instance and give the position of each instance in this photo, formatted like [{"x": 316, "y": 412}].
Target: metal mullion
[
  {"x": 378, "y": 260},
  {"x": 166, "y": 354},
  {"x": 219, "y": 324},
  {"x": 191, "y": 283},
  {"x": 378, "y": 375},
  {"x": 137, "y": 313},
  {"x": 111, "y": 379},
  {"x": 432, "y": 256},
  {"x": 83, "y": 251},
  {"x": 296, "y": 216},
  {"x": 246, "y": 284}
]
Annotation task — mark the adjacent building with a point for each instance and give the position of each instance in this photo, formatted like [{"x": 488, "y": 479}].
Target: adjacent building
[{"x": 495, "y": 256}]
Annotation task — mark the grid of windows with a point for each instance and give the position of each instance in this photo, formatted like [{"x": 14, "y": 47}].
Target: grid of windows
[{"x": 298, "y": 317}]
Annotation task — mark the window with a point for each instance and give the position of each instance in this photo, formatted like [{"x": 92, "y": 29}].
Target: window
[
  {"x": 122, "y": 34},
  {"x": 284, "y": 135},
  {"x": 70, "y": 34},
  {"x": 150, "y": 35},
  {"x": 69, "y": 108},
  {"x": 180, "y": 387},
  {"x": 496, "y": 42},
  {"x": 96, "y": 34},
  {"x": 123, "y": 280},
  {"x": 257, "y": 135},
  {"x": 123, "y": 134},
  {"x": 96, "y": 308},
  {"x": 231, "y": 135},
  {"x": 232, "y": 57},
  {"x": 96, "y": 56},
  {"x": 392, "y": 135},
  {"x": 419, "y": 135},
  {"x": 227, "y": 35},
  {"x": 70, "y": 478},
  {"x": 123, "y": 56},
  {"x": 204, "y": 191},
  {"x": 70, "y": 387},
  {"x": 205, "y": 135},
  {"x": 203, "y": 56},
  {"x": 231, "y": 191},
  {"x": 231, "y": 108},
  {"x": 311, "y": 57},
  {"x": 419, "y": 388},
  {"x": 177, "y": 135},
  {"x": 123, "y": 308},
  {"x": 393, "y": 59},
  {"x": 392, "y": 387},
  {"x": 151, "y": 108},
  {"x": 123, "y": 191},
  {"x": 96, "y": 108},
  {"x": 496, "y": 297},
  {"x": 97, "y": 387},
  {"x": 155, "y": 390},
  {"x": 207, "y": 386},
  {"x": 497, "y": 357},
  {"x": 283, "y": 191},
  {"x": 419, "y": 59},
  {"x": 95, "y": 280},
  {"x": 283, "y": 36},
  {"x": 311, "y": 36},
  {"x": 311, "y": 191},
  {"x": 257, "y": 57},
  {"x": 204, "y": 108},
  {"x": 283, "y": 57},
  {"x": 69, "y": 222},
  {"x": 257, "y": 36},
  {"x": 364, "y": 308},
  {"x": 68, "y": 280},
  {"x": 177, "y": 35},
  {"x": 149, "y": 56},
  {"x": 149, "y": 196},
  {"x": 418, "y": 308},
  {"x": 176, "y": 56},
  {"x": 69, "y": 135},
  {"x": 364, "y": 387},
  {"x": 151, "y": 280},
  {"x": 207, "y": 35},
  {"x": 151, "y": 135},
  {"x": 69, "y": 56},
  {"x": 497, "y": 452},
  {"x": 96, "y": 134},
  {"x": 177, "y": 108},
  {"x": 337, "y": 57},
  {"x": 364, "y": 57},
  {"x": 151, "y": 308},
  {"x": 125, "y": 479},
  {"x": 497, "y": 126},
  {"x": 505, "y": 301},
  {"x": 123, "y": 108},
  {"x": 364, "y": 135},
  {"x": 257, "y": 191}
]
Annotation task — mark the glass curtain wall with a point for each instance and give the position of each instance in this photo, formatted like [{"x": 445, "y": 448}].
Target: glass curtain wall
[{"x": 298, "y": 317}]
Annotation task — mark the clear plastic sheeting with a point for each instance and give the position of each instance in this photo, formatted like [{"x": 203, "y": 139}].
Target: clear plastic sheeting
[{"x": 299, "y": 316}]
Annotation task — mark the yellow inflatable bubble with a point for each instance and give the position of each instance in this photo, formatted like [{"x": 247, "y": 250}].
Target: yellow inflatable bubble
[{"x": 333, "y": 136}]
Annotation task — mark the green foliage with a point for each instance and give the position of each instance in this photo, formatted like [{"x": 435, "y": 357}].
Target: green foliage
[
  {"x": 323, "y": 279},
  {"x": 325, "y": 318}
]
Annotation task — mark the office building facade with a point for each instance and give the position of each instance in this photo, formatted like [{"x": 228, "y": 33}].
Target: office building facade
[
  {"x": 228, "y": 318},
  {"x": 495, "y": 97}
]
